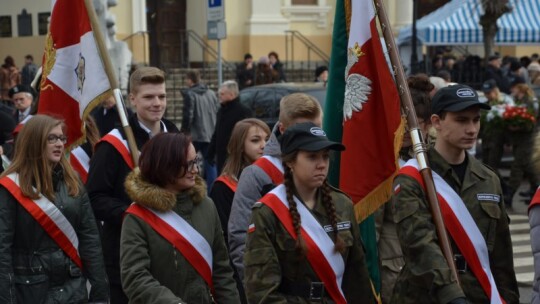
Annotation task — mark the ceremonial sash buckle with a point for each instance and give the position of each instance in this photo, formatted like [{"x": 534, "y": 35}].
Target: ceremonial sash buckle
[
  {"x": 316, "y": 292},
  {"x": 461, "y": 263}
]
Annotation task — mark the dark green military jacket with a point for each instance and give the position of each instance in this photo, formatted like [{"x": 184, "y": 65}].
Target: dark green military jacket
[
  {"x": 271, "y": 259},
  {"x": 426, "y": 278},
  {"x": 152, "y": 269}
]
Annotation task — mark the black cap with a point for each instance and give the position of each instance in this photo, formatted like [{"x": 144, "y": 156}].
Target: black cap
[
  {"x": 493, "y": 57},
  {"x": 320, "y": 70},
  {"x": 306, "y": 136},
  {"x": 489, "y": 85},
  {"x": 21, "y": 88},
  {"x": 455, "y": 98},
  {"x": 517, "y": 80}
]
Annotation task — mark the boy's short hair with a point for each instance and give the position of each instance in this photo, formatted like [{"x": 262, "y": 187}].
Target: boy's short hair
[
  {"x": 145, "y": 75},
  {"x": 194, "y": 75},
  {"x": 298, "y": 105}
]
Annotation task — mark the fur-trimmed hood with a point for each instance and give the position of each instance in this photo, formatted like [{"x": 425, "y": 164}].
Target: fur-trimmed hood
[{"x": 152, "y": 196}]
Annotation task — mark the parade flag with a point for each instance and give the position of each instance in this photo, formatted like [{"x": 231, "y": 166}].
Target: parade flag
[
  {"x": 362, "y": 111},
  {"x": 74, "y": 78}
]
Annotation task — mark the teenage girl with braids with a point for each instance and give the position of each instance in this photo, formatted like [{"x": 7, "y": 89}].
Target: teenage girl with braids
[{"x": 303, "y": 239}]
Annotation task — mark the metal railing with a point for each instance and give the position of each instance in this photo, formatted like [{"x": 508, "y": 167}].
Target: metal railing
[
  {"x": 290, "y": 37},
  {"x": 189, "y": 35},
  {"x": 145, "y": 43}
]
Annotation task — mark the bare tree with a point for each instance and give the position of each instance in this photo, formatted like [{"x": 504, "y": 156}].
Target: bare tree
[{"x": 493, "y": 10}]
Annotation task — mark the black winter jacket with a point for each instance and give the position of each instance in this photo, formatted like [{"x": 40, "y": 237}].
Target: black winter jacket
[
  {"x": 228, "y": 115},
  {"x": 33, "y": 268},
  {"x": 105, "y": 185}
]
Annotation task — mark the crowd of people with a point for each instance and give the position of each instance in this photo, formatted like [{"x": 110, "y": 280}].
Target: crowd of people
[
  {"x": 268, "y": 69},
  {"x": 226, "y": 210}
]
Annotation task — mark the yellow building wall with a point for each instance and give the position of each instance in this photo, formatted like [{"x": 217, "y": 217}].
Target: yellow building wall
[{"x": 18, "y": 47}]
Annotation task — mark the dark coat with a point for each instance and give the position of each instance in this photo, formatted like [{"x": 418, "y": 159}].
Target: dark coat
[
  {"x": 7, "y": 125},
  {"x": 106, "y": 121},
  {"x": 105, "y": 185},
  {"x": 497, "y": 74},
  {"x": 228, "y": 115},
  {"x": 154, "y": 271},
  {"x": 245, "y": 76},
  {"x": 33, "y": 268}
]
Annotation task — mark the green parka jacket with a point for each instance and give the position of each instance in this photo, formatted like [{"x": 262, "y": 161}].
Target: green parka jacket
[
  {"x": 152, "y": 270},
  {"x": 33, "y": 268},
  {"x": 426, "y": 277}
]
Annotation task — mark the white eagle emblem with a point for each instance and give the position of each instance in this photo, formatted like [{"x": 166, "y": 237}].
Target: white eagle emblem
[{"x": 357, "y": 86}]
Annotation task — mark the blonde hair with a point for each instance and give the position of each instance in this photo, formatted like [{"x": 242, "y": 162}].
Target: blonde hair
[
  {"x": 298, "y": 105},
  {"x": 145, "y": 75},
  {"x": 31, "y": 163},
  {"x": 237, "y": 159},
  {"x": 525, "y": 89}
]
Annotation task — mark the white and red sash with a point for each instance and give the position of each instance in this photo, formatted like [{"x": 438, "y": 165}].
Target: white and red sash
[
  {"x": 231, "y": 183},
  {"x": 463, "y": 230},
  {"x": 323, "y": 258},
  {"x": 49, "y": 217},
  {"x": 272, "y": 166},
  {"x": 80, "y": 161},
  {"x": 535, "y": 200},
  {"x": 173, "y": 228},
  {"x": 120, "y": 144}
]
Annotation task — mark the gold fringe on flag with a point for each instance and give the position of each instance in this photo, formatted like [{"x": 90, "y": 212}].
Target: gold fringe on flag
[
  {"x": 348, "y": 15},
  {"x": 383, "y": 192}
]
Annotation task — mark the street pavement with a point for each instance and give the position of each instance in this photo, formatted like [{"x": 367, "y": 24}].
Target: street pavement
[{"x": 521, "y": 244}]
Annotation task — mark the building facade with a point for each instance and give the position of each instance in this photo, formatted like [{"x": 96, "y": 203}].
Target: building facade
[{"x": 173, "y": 33}]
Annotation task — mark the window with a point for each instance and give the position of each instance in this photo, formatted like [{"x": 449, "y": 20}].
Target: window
[
  {"x": 5, "y": 26},
  {"x": 43, "y": 23},
  {"x": 24, "y": 22},
  {"x": 304, "y": 2},
  {"x": 313, "y": 11}
]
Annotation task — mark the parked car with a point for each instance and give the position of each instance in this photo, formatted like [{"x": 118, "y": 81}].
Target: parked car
[{"x": 263, "y": 100}]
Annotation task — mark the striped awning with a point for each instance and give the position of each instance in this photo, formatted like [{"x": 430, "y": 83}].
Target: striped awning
[{"x": 457, "y": 23}]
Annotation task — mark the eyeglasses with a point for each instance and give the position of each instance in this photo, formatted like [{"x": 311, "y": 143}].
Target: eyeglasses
[
  {"x": 52, "y": 139},
  {"x": 195, "y": 162}
]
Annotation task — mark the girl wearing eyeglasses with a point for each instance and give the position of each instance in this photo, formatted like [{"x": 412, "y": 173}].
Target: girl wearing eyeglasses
[
  {"x": 50, "y": 245},
  {"x": 171, "y": 246}
]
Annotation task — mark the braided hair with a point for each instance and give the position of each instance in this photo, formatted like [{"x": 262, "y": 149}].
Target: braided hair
[
  {"x": 328, "y": 204},
  {"x": 330, "y": 208},
  {"x": 293, "y": 210}
]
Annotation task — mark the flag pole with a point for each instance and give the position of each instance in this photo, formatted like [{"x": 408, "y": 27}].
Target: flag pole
[
  {"x": 113, "y": 81},
  {"x": 416, "y": 136}
]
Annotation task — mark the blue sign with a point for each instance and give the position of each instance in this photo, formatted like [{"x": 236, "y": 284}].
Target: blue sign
[
  {"x": 214, "y": 3},
  {"x": 215, "y": 10}
]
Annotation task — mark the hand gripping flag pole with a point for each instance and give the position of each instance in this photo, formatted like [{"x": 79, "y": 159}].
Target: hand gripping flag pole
[
  {"x": 416, "y": 136},
  {"x": 114, "y": 82}
]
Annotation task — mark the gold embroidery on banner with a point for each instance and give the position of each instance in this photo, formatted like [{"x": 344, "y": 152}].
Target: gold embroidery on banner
[{"x": 50, "y": 59}]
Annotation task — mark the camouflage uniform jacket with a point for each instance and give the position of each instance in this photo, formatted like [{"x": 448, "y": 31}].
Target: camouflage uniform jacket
[
  {"x": 426, "y": 277},
  {"x": 271, "y": 258}
]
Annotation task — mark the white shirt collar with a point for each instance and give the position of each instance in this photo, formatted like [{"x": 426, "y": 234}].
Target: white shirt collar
[{"x": 163, "y": 128}]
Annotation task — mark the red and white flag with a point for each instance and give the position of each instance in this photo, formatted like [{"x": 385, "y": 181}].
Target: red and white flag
[
  {"x": 73, "y": 76},
  {"x": 371, "y": 116}
]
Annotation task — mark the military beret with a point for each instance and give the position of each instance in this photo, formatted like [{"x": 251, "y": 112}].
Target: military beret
[{"x": 21, "y": 88}]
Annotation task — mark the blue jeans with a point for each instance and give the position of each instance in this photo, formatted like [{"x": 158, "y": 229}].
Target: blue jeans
[{"x": 210, "y": 171}]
